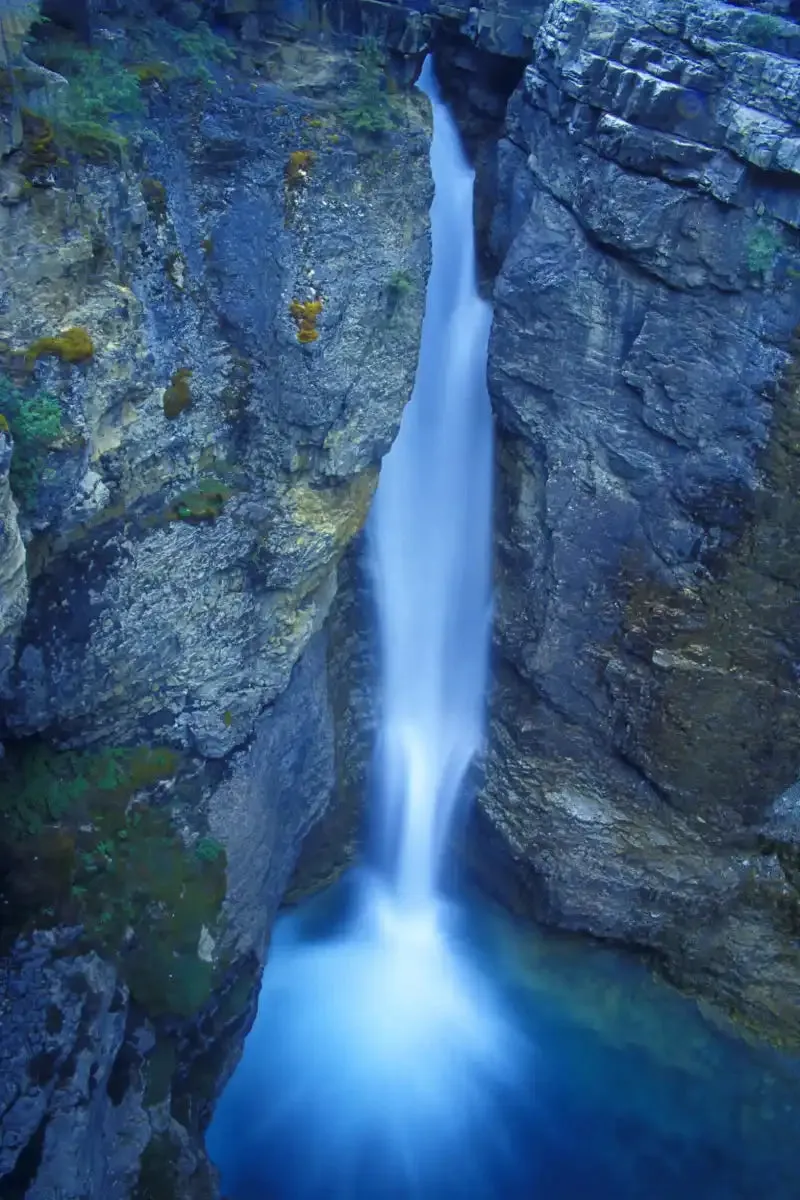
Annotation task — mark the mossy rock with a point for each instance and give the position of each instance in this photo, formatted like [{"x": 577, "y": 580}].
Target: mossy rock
[
  {"x": 154, "y": 71},
  {"x": 202, "y": 503},
  {"x": 40, "y": 151},
  {"x": 83, "y": 848},
  {"x": 178, "y": 396},
  {"x": 154, "y": 195},
  {"x": 72, "y": 345}
]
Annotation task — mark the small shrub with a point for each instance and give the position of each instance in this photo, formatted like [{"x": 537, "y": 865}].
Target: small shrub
[
  {"x": 198, "y": 48},
  {"x": 398, "y": 289},
  {"x": 153, "y": 72},
  {"x": 371, "y": 110}
]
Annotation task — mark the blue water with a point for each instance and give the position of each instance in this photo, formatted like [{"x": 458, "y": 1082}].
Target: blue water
[{"x": 592, "y": 1081}]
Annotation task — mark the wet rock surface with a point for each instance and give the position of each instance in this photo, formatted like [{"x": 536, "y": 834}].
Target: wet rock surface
[{"x": 643, "y": 368}]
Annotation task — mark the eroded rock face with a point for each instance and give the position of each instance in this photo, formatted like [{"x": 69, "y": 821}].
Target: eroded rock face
[
  {"x": 645, "y": 714},
  {"x": 207, "y": 337}
]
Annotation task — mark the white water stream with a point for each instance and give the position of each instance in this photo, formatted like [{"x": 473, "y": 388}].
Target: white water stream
[
  {"x": 430, "y": 546},
  {"x": 381, "y": 1060}
]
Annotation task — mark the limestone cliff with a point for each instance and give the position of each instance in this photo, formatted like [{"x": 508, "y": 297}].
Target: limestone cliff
[
  {"x": 645, "y": 715},
  {"x": 213, "y": 253}
]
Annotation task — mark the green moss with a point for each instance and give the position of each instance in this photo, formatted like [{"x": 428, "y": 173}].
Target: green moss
[
  {"x": 763, "y": 246},
  {"x": 178, "y": 396},
  {"x": 154, "y": 195},
  {"x": 208, "y": 849},
  {"x": 82, "y": 844},
  {"x": 156, "y": 71},
  {"x": 71, "y": 345},
  {"x": 40, "y": 785},
  {"x": 39, "y": 149},
  {"x": 202, "y": 503}
]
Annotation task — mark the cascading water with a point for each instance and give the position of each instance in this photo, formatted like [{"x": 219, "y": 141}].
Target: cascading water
[
  {"x": 430, "y": 546},
  {"x": 384, "y": 1050}
]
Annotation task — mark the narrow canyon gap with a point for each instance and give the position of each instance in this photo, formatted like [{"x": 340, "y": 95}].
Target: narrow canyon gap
[{"x": 392, "y": 1049}]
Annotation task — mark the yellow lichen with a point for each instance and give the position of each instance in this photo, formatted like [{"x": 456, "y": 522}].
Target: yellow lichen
[
  {"x": 298, "y": 168},
  {"x": 71, "y": 345},
  {"x": 304, "y": 313}
]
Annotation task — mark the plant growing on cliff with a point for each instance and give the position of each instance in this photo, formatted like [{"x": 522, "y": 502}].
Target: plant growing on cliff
[
  {"x": 400, "y": 286},
  {"x": 370, "y": 110},
  {"x": 35, "y": 425},
  {"x": 100, "y": 93},
  {"x": 196, "y": 49}
]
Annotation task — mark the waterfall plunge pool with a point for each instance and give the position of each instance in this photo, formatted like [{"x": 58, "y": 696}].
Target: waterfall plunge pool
[{"x": 476, "y": 1058}]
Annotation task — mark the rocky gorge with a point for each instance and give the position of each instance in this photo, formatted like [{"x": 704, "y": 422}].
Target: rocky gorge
[{"x": 213, "y": 253}]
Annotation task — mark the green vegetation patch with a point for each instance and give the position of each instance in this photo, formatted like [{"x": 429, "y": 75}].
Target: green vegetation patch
[
  {"x": 82, "y": 849},
  {"x": 192, "y": 53},
  {"x": 101, "y": 93},
  {"x": 204, "y": 502},
  {"x": 35, "y": 423},
  {"x": 372, "y": 108}
]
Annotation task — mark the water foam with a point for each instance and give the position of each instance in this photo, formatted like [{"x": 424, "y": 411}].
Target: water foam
[{"x": 384, "y": 1060}]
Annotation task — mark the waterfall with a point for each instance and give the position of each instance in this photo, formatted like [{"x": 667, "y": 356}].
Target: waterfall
[
  {"x": 382, "y": 1054},
  {"x": 430, "y": 545}
]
